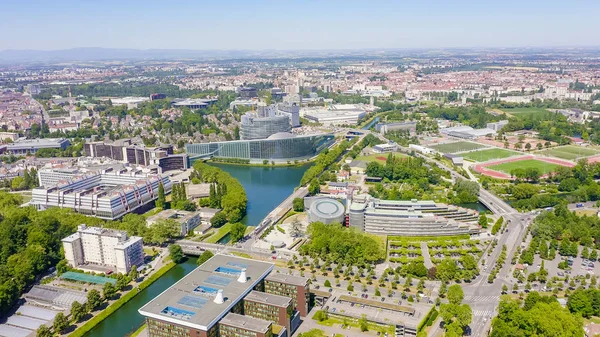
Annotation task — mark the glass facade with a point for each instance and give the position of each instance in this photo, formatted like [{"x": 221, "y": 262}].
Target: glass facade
[
  {"x": 301, "y": 147},
  {"x": 164, "y": 329},
  {"x": 263, "y": 127}
]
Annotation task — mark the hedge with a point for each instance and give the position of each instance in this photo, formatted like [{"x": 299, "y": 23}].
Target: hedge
[
  {"x": 426, "y": 320},
  {"x": 89, "y": 325}
]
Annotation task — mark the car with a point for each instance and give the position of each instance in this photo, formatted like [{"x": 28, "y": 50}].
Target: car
[
  {"x": 330, "y": 290},
  {"x": 366, "y": 296},
  {"x": 383, "y": 299},
  {"x": 560, "y": 273}
]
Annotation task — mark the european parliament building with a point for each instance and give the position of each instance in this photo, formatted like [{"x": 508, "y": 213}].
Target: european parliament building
[{"x": 279, "y": 147}]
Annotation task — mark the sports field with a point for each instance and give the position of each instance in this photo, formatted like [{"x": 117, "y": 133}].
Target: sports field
[
  {"x": 457, "y": 147},
  {"x": 489, "y": 154},
  {"x": 544, "y": 167},
  {"x": 569, "y": 152},
  {"x": 380, "y": 157},
  {"x": 526, "y": 112}
]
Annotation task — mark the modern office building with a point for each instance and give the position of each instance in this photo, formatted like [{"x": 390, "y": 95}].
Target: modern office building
[
  {"x": 262, "y": 124},
  {"x": 279, "y": 147},
  {"x": 384, "y": 128},
  {"x": 247, "y": 92},
  {"x": 103, "y": 248},
  {"x": 192, "y": 103},
  {"x": 31, "y": 146},
  {"x": 286, "y": 108},
  {"x": 392, "y": 217},
  {"x": 294, "y": 287},
  {"x": 273, "y": 308},
  {"x": 210, "y": 301},
  {"x": 337, "y": 114},
  {"x": 136, "y": 153},
  {"x": 104, "y": 195}
]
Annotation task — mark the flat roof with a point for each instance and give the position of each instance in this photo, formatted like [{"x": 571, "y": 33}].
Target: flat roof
[
  {"x": 400, "y": 213},
  {"x": 246, "y": 322},
  {"x": 271, "y": 299},
  {"x": 190, "y": 301},
  {"x": 377, "y": 304},
  {"x": 288, "y": 279}
]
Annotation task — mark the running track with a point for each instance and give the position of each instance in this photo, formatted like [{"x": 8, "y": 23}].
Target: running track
[{"x": 483, "y": 167}]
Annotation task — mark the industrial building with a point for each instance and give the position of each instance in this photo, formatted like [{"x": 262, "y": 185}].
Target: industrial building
[
  {"x": 383, "y": 128},
  {"x": 467, "y": 132},
  {"x": 410, "y": 218},
  {"x": 136, "y": 153},
  {"x": 280, "y": 147},
  {"x": 223, "y": 297},
  {"x": 337, "y": 114},
  {"x": 31, "y": 146},
  {"x": 103, "y": 248},
  {"x": 108, "y": 195}
]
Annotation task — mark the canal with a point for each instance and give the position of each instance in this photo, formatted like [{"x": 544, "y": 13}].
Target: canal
[
  {"x": 127, "y": 319},
  {"x": 266, "y": 187}
]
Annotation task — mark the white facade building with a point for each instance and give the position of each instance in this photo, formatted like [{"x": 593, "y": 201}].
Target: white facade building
[{"x": 105, "y": 248}]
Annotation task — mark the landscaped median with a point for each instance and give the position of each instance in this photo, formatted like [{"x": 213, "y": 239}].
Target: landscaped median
[{"x": 89, "y": 325}]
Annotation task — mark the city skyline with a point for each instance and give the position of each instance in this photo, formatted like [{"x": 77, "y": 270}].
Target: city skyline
[{"x": 267, "y": 25}]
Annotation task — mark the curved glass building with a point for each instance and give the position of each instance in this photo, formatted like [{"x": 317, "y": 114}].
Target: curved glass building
[
  {"x": 278, "y": 147},
  {"x": 260, "y": 127}
]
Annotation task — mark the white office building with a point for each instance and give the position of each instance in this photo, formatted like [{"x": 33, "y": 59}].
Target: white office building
[
  {"x": 104, "y": 195},
  {"x": 95, "y": 248}
]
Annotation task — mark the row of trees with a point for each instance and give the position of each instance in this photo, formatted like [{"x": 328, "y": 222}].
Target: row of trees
[
  {"x": 234, "y": 200},
  {"x": 28, "y": 181},
  {"x": 324, "y": 159}
]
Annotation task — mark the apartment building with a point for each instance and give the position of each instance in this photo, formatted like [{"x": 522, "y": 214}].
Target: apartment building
[{"x": 113, "y": 250}]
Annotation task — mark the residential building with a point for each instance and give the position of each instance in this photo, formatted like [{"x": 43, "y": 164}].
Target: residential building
[
  {"x": 104, "y": 248},
  {"x": 108, "y": 195},
  {"x": 31, "y": 146},
  {"x": 280, "y": 147}
]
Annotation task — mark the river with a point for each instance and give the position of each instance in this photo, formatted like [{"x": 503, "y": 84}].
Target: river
[
  {"x": 126, "y": 319},
  {"x": 266, "y": 187}
]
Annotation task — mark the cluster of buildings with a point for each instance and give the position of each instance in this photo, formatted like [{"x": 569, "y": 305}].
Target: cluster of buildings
[
  {"x": 22, "y": 147},
  {"x": 18, "y": 112},
  {"x": 229, "y": 297},
  {"x": 107, "y": 194},
  {"x": 335, "y": 114}
]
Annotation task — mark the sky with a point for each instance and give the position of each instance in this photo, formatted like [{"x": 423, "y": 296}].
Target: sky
[{"x": 293, "y": 25}]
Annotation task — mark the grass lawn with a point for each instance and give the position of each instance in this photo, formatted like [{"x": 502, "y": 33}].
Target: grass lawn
[
  {"x": 380, "y": 157},
  {"x": 457, "y": 147},
  {"x": 221, "y": 232},
  {"x": 526, "y": 112},
  {"x": 485, "y": 155},
  {"x": 525, "y": 164},
  {"x": 569, "y": 152}
]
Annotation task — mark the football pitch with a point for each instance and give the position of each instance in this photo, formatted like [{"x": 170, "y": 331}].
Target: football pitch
[
  {"x": 542, "y": 166},
  {"x": 523, "y": 112},
  {"x": 569, "y": 152},
  {"x": 457, "y": 147},
  {"x": 489, "y": 154}
]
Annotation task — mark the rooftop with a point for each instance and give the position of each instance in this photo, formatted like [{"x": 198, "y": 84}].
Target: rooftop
[
  {"x": 191, "y": 301},
  {"x": 288, "y": 279},
  {"x": 246, "y": 322},
  {"x": 260, "y": 297}
]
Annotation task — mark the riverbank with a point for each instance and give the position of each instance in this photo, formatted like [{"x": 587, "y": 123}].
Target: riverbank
[
  {"x": 296, "y": 163},
  {"x": 89, "y": 325}
]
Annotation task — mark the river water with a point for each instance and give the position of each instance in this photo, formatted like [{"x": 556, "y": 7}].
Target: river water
[
  {"x": 266, "y": 187},
  {"x": 127, "y": 319}
]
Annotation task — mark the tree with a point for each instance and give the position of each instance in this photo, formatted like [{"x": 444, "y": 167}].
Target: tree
[
  {"x": 163, "y": 230},
  {"x": 483, "y": 221},
  {"x": 176, "y": 253},
  {"x": 320, "y": 315},
  {"x": 377, "y": 292},
  {"x": 43, "y": 331},
  {"x": 218, "y": 220},
  {"x": 455, "y": 294},
  {"x": 314, "y": 187},
  {"x": 133, "y": 273},
  {"x": 363, "y": 323},
  {"x": 295, "y": 228},
  {"x": 327, "y": 284},
  {"x": 108, "y": 290},
  {"x": 77, "y": 311},
  {"x": 298, "y": 204},
  {"x": 528, "y": 146},
  {"x": 205, "y": 256},
  {"x": 237, "y": 232},
  {"x": 160, "y": 201},
  {"x": 504, "y": 289},
  {"x": 61, "y": 322},
  {"x": 93, "y": 299},
  {"x": 446, "y": 270}
]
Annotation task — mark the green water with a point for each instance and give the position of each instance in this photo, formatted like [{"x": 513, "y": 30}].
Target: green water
[
  {"x": 266, "y": 187},
  {"x": 127, "y": 319},
  {"x": 478, "y": 206}
]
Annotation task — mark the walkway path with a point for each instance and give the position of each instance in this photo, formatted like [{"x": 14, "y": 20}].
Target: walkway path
[{"x": 426, "y": 256}]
